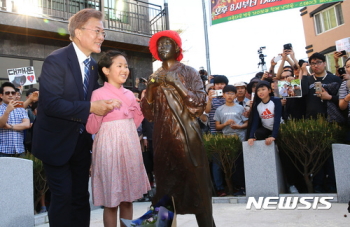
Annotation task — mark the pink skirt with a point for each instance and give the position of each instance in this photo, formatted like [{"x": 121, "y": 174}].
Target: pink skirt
[{"x": 118, "y": 173}]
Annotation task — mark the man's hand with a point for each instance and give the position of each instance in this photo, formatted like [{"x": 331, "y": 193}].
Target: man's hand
[
  {"x": 273, "y": 63},
  {"x": 337, "y": 55},
  {"x": 324, "y": 95},
  {"x": 211, "y": 95},
  {"x": 265, "y": 76},
  {"x": 145, "y": 142},
  {"x": 251, "y": 141},
  {"x": 269, "y": 140},
  {"x": 291, "y": 53},
  {"x": 34, "y": 97},
  {"x": 304, "y": 69},
  {"x": 7, "y": 126},
  {"x": 11, "y": 106},
  {"x": 284, "y": 55},
  {"x": 102, "y": 107}
]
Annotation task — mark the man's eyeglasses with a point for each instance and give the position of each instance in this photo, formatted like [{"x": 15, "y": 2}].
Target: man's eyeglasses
[
  {"x": 98, "y": 32},
  {"x": 316, "y": 63},
  {"x": 10, "y": 92},
  {"x": 288, "y": 71}
]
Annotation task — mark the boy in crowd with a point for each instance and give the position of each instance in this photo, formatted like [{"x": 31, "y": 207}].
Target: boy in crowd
[
  {"x": 213, "y": 103},
  {"x": 230, "y": 119}
]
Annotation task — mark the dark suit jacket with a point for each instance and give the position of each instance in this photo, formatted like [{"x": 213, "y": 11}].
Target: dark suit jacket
[
  {"x": 147, "y": 129},
  {"x": 62, "y": 108}
]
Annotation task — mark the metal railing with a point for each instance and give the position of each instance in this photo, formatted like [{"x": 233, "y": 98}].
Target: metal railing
[{"x": 132, "y": 16}]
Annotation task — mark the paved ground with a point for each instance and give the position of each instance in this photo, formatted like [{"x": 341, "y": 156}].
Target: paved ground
[{"x": 227, "y": 215}]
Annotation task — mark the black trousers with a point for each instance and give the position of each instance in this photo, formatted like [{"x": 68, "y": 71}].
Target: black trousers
[
  {"x": 262, "y": 133},
  {"x": 68, "y": 183}
]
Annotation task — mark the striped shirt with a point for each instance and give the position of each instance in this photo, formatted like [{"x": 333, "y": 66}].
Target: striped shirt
[
  {"x": 343, "y": 92},
  {"x": 11, "y": 141},
  {"x": 215, "y": 103}
]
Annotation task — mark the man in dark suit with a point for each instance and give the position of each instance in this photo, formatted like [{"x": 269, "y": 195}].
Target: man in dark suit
[{"x": 68, "y": 77}]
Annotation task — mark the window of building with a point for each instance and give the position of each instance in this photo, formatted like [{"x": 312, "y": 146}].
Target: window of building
[
  {"x": 117, "y": 10},
  {"x": 329, "y": 18},
  {"x": 331, "y": 63}
]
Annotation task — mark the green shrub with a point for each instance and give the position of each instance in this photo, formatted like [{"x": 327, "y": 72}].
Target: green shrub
[
  {"x": 224, "y": 150},
  {"x": 309, "y": 143}
]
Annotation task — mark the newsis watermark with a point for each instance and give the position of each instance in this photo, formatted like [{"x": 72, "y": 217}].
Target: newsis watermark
[{"x": 290, "y": 203}]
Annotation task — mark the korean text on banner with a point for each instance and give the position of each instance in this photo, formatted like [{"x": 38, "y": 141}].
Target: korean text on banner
[
  {"x": 227, "y": 10},
  {"x": 22, "y": 76}
]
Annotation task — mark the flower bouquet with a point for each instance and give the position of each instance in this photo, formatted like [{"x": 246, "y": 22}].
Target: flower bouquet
[{"x": 163, "y": 214}]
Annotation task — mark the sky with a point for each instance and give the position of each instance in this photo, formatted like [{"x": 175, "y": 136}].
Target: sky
[{"x": 233, "y": 45}]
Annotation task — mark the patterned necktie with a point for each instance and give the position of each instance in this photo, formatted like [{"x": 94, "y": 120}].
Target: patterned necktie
[
  {"x": 86, "y": 84},
  {"x": 86, "y": 76}
]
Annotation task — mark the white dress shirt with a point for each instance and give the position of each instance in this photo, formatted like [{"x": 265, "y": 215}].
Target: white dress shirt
[{"x": 81, "y": 58}]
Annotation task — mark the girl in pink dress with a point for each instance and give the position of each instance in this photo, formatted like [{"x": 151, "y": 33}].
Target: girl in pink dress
[{"x": 118, "y": 174}]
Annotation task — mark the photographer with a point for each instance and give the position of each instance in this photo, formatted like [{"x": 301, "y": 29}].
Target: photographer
[
  {"x": 317, "y": 102},
  {"x": 213, "y": 103},
  {"x": 344, "y": 94},
  {"x": 281, "y": 73}
]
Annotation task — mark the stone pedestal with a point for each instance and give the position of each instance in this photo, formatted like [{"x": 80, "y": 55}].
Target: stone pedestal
[
  {"x": 16, "y": 192},
  {"x": 341, "y": 157},
  {"x": 263, "y": 171}
]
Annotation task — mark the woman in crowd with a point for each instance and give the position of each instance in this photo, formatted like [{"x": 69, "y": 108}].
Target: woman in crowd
[{"x": 118, "y": 174}]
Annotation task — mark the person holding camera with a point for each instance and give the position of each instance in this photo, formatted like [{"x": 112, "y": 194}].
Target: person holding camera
[
  {"x": 287, "y": 71},
  {"x": 320, "y": 91},
  {"x": 338, "y": 55},
  {"x": 13, "y": 120},
  {"x": 215, "y": 100},
  {"x": 344, "y": 93}
]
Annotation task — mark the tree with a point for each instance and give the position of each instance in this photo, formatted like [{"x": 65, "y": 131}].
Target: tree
[{"x": 308, "y": 144}]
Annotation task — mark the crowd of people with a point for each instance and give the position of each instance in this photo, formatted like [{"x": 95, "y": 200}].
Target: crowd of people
[
  {"x": 254, "y": 110},
  {"x": 122, "y": 151}
]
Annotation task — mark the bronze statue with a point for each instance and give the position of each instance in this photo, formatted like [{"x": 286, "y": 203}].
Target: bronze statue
[{"x": 174, "y": 98}]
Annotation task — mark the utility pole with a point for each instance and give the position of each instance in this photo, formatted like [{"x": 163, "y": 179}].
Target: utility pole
[
  {"x": 166, "y": 9},
  {"x": 206, "y": 37}
]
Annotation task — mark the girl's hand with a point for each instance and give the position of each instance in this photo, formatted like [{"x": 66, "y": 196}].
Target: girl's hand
[
  {"x": 251, "y": 141},
  {"x": 269, "y": 140},
  {"x": 116, "y": 103}
]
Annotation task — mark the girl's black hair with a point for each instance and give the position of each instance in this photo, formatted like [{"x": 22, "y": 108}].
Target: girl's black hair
[
  {"x": 256, "y": 100},
  {"x": 106, "y": 60}
]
